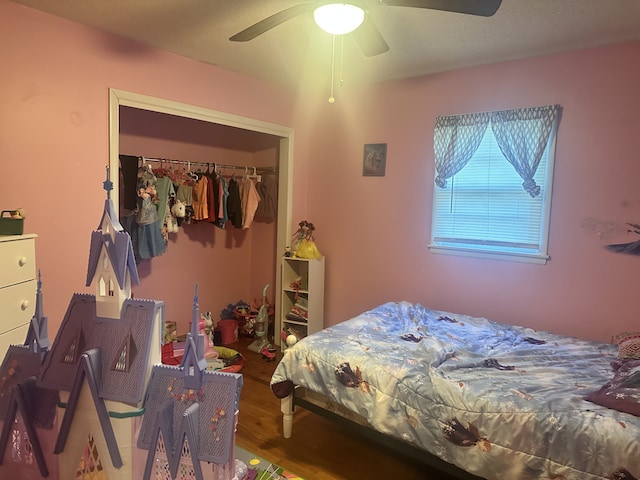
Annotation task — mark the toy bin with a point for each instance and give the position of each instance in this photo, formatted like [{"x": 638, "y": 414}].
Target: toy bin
[
  {"x": 9, "y": 225},
  {"x": 228, "y": 331}
]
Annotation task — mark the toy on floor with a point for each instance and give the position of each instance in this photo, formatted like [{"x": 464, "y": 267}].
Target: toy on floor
[
  {"x": 268, "y": 353},
  {"x": 262, "y": 320},
  {"x": 261, "y": 469}
]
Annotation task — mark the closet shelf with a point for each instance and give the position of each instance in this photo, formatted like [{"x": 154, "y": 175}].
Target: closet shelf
[{"x": 293, "y": 290}]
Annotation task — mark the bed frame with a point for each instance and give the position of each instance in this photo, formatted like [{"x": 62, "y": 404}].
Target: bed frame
[{"x": 327, "y": 408}]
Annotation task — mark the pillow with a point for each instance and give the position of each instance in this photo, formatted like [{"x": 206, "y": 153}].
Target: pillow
[
  {"x": 628, "y": 345},
  {"x": 622, "y": 392}
]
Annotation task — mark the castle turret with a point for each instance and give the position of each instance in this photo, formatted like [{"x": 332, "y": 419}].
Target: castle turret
[
  {"x": 38, "y": 334},
  {"x": 112, "y": 267},
  {"x": 193, "y": 361}
]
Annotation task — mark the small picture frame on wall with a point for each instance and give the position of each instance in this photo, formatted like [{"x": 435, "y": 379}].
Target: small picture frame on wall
[{"x": 374, "y": 160}]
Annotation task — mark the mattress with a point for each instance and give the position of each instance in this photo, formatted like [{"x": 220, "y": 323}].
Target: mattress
[{"x": 499, "y": 401}]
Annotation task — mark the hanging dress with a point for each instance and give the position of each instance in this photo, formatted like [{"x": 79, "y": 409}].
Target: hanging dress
[
  {"x": 199, "y": 199},
  {"x": 150, "y": 241}
]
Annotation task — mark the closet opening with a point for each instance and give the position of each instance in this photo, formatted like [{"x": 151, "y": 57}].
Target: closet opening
[{"x": 228, "y": 264}]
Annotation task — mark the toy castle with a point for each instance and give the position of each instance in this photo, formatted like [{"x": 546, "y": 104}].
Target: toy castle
[{"x": 97, "y": 403}]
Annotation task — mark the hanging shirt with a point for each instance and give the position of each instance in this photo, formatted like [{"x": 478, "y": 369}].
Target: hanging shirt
[
  {"x": 250, "y": 200},
  {"x": 185, "y": 194},
  {"x": 268, "y": 191},
  {"x": 234, "y": 204},
  {"x": 223, "y": 194},
  {"x": 165, "y": 191},
  {"x": 129, "y": 184}
]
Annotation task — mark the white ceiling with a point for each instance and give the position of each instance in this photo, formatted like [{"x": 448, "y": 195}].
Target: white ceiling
[{"x": 297, "y": 53}]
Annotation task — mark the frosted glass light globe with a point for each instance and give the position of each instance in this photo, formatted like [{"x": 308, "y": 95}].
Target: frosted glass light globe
[{"x": 338, "y": 18}]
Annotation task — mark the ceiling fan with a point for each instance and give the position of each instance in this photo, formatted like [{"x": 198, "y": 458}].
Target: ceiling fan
[{"x": 366, "y": 34}]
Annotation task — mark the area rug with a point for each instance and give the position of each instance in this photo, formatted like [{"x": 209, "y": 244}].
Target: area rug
[{"x": 261, "y": 469}]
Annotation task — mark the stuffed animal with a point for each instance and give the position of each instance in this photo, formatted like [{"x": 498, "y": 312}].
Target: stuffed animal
[
  {"x": 172, "y": 224},
  {"x": 208, "y": 323},
  {"x": 179, "y": 209}
]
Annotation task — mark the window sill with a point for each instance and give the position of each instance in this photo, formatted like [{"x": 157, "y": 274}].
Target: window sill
[{"x": 502, "y": 256}]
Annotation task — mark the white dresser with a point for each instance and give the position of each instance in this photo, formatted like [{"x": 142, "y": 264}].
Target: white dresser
[{"x": 18, "y": 287}]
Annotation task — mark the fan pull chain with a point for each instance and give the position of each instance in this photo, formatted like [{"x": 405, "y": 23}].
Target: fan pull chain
[
  {"x": 332, "y": 99},
  {"x": 341, "y": 60}
]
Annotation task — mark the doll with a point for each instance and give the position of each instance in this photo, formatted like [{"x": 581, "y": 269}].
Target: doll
[{"x": 303, "y": 243}]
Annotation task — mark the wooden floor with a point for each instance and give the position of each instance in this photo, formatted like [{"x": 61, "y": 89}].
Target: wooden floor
[{"x": 320, "y": 449}]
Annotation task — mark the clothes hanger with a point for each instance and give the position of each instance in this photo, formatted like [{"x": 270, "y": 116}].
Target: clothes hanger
[
  {"x": 254, "y": 176},
  {"x": 190, "y": 173}
]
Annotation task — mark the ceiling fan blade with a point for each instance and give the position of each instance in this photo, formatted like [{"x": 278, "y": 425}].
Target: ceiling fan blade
[
  {"x": 268, "y": 23},
  {"x": 484, "y": 8},
  {"x": 369, "y": 38}
]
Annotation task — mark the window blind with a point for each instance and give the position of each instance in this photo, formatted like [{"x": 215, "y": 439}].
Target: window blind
[{"x": 485, "y": 208}]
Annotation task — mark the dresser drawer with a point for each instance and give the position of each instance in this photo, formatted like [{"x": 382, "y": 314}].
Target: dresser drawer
[
  {"x": 17, "y": 259},
  {"x": 17, "y": 305}
]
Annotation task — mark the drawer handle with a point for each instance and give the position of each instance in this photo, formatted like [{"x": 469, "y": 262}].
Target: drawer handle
[
  {"x": 24, "y": 305},
  {"x": 23, "y": 261}
]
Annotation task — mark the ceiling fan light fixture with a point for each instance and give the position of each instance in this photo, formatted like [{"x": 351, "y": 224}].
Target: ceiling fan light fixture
[{"x": 338, "y": 18}]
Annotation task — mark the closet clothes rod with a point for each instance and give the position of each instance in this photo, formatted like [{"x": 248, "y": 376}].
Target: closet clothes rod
[
  {"x": 261, "y": 170},
  {"x": 193, "y": 164}
]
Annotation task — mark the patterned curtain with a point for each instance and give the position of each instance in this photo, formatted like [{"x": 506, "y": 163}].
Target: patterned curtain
[
  {"x": 522, "y": 136},
  {"x": 456, "y": 138}
]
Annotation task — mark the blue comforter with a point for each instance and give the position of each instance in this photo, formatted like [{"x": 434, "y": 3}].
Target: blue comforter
[{"x": 499, "y": 401}]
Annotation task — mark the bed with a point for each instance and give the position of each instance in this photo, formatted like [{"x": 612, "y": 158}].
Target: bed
[{"x": 495, "y": 401}]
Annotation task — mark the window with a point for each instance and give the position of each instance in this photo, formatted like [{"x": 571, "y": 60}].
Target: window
[
  {"x": 126, "y": 354},
  {"x": 494, "y": 175},
  {"x": 74, "y": 348},
  {"x": 90, "y": 464}
]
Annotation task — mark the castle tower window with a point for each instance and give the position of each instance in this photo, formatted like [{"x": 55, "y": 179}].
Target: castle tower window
[
  {"x": 21, "y": 449},
  {"x": 75, "y": 348},
  {"x": 186, "y": 470},
  {"x": 102, "y": 287},
  {"x": 90, "y": 465},
  {"x": 126, "y": 354},
  {"x": 162, "y": 470}
]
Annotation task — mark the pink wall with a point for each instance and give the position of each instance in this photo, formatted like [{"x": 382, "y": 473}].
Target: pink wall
[
  {"x": 375, "y": 230},
  {"x": 54, "y": 137}
]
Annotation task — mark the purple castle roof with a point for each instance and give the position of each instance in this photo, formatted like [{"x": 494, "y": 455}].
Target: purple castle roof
[
  {"x": 192, "y": 403},
  {"x": 19, "y": 364},
  {"x": 212, "y": 432},
  {"x": 125, "y": 345}
]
